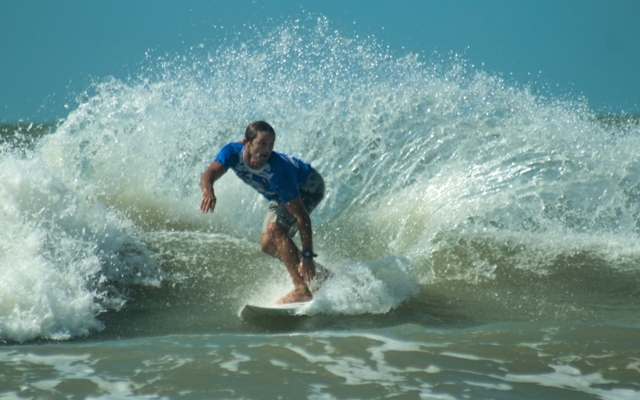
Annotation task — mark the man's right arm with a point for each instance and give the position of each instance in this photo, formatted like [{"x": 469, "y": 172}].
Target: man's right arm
[{"x": 212, "y": 174}]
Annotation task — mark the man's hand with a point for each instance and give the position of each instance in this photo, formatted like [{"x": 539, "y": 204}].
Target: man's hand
[
  {"x": 212, "y": 174},
  {"x": 208, "y": 203},
  {"x": 307, "y": 269}
]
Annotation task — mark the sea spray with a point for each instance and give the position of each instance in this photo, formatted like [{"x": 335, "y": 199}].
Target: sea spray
[{"x": 374, "y": 287}]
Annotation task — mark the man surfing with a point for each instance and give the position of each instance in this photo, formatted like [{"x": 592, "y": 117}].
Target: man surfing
[{"x": 292, "y": 186}]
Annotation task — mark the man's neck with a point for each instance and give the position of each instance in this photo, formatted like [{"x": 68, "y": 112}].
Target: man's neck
[{"x": 247, "y": 159}]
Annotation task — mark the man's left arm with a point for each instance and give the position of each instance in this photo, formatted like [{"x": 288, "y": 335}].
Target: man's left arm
[{"x": 306, "y": 268}]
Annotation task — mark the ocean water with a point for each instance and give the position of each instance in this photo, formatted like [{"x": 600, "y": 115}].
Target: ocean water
[{"x": 484, "y": 237}]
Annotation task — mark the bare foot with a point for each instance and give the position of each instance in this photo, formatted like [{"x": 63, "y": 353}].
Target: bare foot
[{"x": 297, "y": 295}]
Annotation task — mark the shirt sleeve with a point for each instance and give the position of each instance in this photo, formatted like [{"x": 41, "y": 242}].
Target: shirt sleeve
[{"x": 228, "y": 156}]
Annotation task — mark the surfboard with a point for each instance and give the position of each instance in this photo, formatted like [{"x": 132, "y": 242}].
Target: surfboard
[
  {"x": 276, "y": 310},
  {"x": 291, "y": 309}
]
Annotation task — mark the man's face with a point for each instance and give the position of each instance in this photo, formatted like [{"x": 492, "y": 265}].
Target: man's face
[{"x": 260, "y": 149}]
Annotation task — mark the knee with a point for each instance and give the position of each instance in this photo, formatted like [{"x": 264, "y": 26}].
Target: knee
[{"x": 266, "y": 244}]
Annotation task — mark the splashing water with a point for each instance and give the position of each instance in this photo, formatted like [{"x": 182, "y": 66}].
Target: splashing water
[{"x": 441, "y": 178}]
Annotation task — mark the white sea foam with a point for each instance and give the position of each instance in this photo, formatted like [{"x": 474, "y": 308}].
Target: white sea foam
[
  {"x": 57, "y": 249},
  {"x": 566, "y": 376},
  {"x": 373, "y": 287},
  {"x": 74, "y": 368}
]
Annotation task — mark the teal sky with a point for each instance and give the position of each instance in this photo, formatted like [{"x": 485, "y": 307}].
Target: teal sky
[{"x": 52, "y": 50}]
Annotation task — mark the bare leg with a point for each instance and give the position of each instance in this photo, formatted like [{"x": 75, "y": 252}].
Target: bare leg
[
  {"x": 267, "y": 246},
  {"x": 278, "y": 244}
]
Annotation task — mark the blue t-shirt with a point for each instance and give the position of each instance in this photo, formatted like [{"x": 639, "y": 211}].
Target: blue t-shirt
[{"x": 280, "y": 178}]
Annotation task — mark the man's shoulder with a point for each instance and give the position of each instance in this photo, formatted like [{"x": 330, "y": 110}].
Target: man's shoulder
[
  {"x": 233, "y": 146},
  {"x": 287, "y": 160}
]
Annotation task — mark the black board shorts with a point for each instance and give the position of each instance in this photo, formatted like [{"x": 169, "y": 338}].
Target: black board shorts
[{"x": 311, "y": 194}]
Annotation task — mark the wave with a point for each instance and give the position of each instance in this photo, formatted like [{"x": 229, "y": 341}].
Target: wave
[{"x": 437, "y": 170}]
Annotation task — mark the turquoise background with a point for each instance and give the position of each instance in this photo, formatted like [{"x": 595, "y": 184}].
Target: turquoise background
[{"x": 51, "y": 51}]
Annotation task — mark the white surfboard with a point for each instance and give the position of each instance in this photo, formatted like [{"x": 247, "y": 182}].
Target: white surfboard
[
  {"x": 291, "y": 309},
  {"x": 276, "y": 310}
]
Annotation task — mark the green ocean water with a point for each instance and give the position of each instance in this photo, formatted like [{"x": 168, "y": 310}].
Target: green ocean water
[{"x": 483, "y": 239}]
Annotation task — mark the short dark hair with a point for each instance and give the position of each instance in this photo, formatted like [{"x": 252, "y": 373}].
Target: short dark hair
[{"x": 257, "y": 126}]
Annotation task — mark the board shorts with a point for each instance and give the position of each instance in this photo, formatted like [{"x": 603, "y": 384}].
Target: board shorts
[{"x": 311, "y": 194}]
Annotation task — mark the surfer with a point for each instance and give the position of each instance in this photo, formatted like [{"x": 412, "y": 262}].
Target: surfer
[{"x": 292, "y": 186}]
